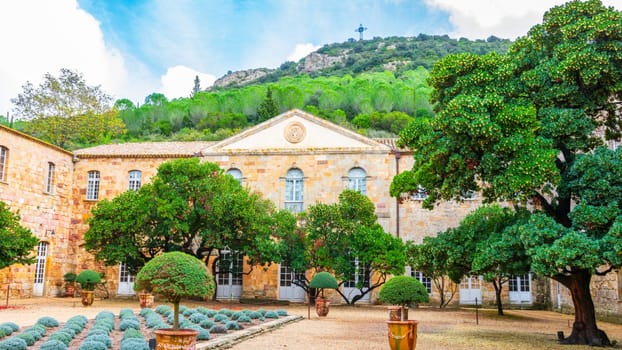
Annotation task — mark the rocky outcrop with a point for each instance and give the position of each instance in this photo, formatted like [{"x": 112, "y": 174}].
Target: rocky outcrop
[
  {"x": 317, "y": 61},
  {"x": 242, "y": 77}
]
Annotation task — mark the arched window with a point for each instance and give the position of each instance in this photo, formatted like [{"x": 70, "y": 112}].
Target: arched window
[
  {"x": 357, "y": 180},
  {"x": 236, "y": 173},
  {"x": 4, "y": 158},
  {"x": 92, "y": 186},
  {"x": 294, "y": 182},
  {"x": 135, "y": 180}
]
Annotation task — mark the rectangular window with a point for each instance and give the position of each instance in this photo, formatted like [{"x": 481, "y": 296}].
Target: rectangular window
[
  {"x": 4, "y": 157},
  {"x": 294, "y": 190},
  {"x": 135, "y": 180},
  {"x": 92, "y": 186},
  {"x": 49, "y": 178},
  {"x": 426, "y": 281}
]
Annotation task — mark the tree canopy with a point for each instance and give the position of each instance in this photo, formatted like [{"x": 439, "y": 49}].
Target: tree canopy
[
  {"x": 16, "y": 242},
  {"x": 515, "y": 127}
]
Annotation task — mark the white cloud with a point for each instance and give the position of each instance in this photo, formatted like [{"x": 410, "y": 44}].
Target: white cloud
[
  {"x": 302, "y": 50},
  {"x": 479, "y": 19},
  {"x": 179, "y": 81}
]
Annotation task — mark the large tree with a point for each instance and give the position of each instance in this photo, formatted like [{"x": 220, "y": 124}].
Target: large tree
[
  {"x": 66, "y": 111},
  {"x": 189, "y": 206},
  {"x": 16, "y": 242},
  {"x": 513, "y": 126},
  {"x": 333, "y": 236}
]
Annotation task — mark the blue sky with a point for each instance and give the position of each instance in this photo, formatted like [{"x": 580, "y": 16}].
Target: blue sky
[{"x": 136, "y": 47}]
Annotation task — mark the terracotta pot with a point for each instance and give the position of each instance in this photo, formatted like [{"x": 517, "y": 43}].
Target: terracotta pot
[
  {"x": 402, "y": 335},
  {"x": 395, "y": 313},
  {"x": 146, "y": 300},
  {"x": 70, "y": 290},
  {"x": 181, "y": 339},
  {"x": 322, "y": 306},
  {"x": 87, "y": 297}
]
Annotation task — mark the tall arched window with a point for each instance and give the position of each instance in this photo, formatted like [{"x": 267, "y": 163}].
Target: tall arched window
[
  {"x": 4, "y": 157},
  {"x": 294, "y": 187},
  {"x": 92, "y": 185},
  {"x": 236, "y": 173},
  {"x": 135, "y": 180},
  {"x": 357, "y": 180},
  {"x": 49, "y": 178}
]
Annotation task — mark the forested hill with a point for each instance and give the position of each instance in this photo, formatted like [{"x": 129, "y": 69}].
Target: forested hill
[
  {"x": 375, "y": 87},
  {"x": 396, "y": 54}
]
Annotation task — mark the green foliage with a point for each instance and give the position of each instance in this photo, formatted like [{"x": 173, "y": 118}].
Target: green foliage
[
  {"x": 323, "y": 280},
  {"x": 13, "y": 343},
  {"x": 268, "y": 108},
  {"x": 88, "y": 279},
  {"x": 70, "y": 277},
  {"x": 53, "y": 344},
  {"x": 16, "y": 241},
  {"x": 134, "y": 344},
  {"x": 403, "y": 290},
  {"x": 47, "y": 321},
  {"x": 161, "y": 276}
]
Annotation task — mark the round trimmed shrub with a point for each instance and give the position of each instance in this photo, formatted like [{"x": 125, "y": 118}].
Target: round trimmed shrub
[
  {"x": 13, "y": 326},
  {"x": 281, "y": 312},
  {"x": 203, "y": 333},
  {"x": 132, "y": 333},
  {"x": 13, "y": 344},
  {"x": 205, "y": 311},
  {"x": 225, "y": 312},
  {"x": 222, "y": 318},
  {"x": 197, "y": 317},
  {"x": 255, "y": 315},
  {"x": 79, "y": 319},
  {"x": 2, "y": 333},
  {"x": 403, "y": 290},
  {"x": 64, "y": 337},
  {"x": 104, "y": 339},
  {"x": 88, "y": 279},
  {"x": 6, "y": 330},
  {"x": 53, "y": 344},
  {"x": 207, "y": 323},
  {"x": 89, "y": 344},
  {"x": 37, "y": 331},
  {"x": 244, "y": 319},
  {"x": 126, "y": 324},
  {"x": 134, "y": 344},
  {"x": 48, "y": 321},
  {"x": 28, "y": 338},
  {"x": 218, "y": 328},
  {"x": 271, "y": 314},
  {"x": 233, "y": 325}
]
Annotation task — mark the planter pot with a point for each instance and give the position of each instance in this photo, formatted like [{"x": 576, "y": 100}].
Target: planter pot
[
  {"x": 70, "y": 290},
  {"x": 181, "y": 339},
  {"x": 395, "y": 313},
  {"x": 322, "y": 306},
  {"x": 87, "y": 297},
  {"x": 402, "y": 335},
  {"x": 146, "y": 300}
]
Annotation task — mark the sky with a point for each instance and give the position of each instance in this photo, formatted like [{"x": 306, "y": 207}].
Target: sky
[{"x": 132, "y": 48}]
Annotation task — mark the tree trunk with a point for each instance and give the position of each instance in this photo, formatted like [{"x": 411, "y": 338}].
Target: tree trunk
[
  {"x": 584, "y": 329},
  {"x": 496, "y": 282}
]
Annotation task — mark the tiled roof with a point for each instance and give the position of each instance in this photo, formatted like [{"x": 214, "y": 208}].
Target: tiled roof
[
  {"x": 145, "y": 150},
  {"x": 391, "y": 142}
]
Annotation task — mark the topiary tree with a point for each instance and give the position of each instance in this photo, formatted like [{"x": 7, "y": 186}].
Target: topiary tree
[
  {"x": 88, "y": 279},
  {"x": 323, "y": 280},
  {"x": 402, "y": 291},
  {"x": 175, "y": 275}
]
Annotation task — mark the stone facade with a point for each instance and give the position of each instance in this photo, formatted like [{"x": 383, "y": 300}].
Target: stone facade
[{"x": 323, "y": 152}]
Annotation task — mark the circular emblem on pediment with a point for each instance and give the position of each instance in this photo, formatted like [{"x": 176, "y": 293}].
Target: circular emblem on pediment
[{"x": 295, "y": 132}]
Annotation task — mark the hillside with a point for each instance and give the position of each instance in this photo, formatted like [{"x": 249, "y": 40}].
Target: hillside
[{"x": 396, "y": 54}]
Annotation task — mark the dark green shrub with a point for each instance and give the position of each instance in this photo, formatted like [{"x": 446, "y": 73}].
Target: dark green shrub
[
  {"x": 13, "y": 344},
  {"x": 6, "y": 330},
  {"x": 88, "y": 279},
  {"x": 48, "y": 321},
  {"x": 132, "y": 333},
  {"x": 323, "y": 280},
  {"x": 2, "y": 333},
  {"x": 64, "y": 337},
  {"x": 403, "y": 291},
  {"x": 37, "y": 331},
  {"x": 53, "y": 344},
  {"x": 70, "y": 277}
]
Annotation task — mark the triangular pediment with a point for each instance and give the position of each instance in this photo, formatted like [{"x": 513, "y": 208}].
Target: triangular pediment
[{"x": 296, "y": 131}]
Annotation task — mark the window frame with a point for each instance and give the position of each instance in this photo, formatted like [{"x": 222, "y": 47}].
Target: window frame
[
  {"x": 4, "y": 162},
  {"x": 294, "y": 190},
  {"x": 93, "y": 185},
  {"x": 49, "y": 178},
  {"x": 236, "y": 171},
  {"x": 357, "y": 182},
  {"x": 134, "y": 184}
]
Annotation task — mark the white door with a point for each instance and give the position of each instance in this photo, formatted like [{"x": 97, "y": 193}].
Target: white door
[
  {"x": 288, "y": 290},
  {"x": 520, "y": 289},
  {"x": 126, "y": 281},
  {"x": 359, "y": 278},
  {"x": 471, "y": 290},
  {"x": 42, "y": 252},
  {"x": 230, "y": 280}
]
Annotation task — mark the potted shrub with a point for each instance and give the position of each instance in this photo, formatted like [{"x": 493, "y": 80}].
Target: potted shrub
[
  {"x": 322, "y": 280},
  {"x": 403, "y": 291},
  {"x": 175, "y": 275},
  {"x": 88, "y": 280},
  {"x": 70, "y": 283}
]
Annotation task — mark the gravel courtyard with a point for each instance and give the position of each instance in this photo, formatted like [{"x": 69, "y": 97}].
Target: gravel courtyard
[{"x": 358, "y": 327}]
